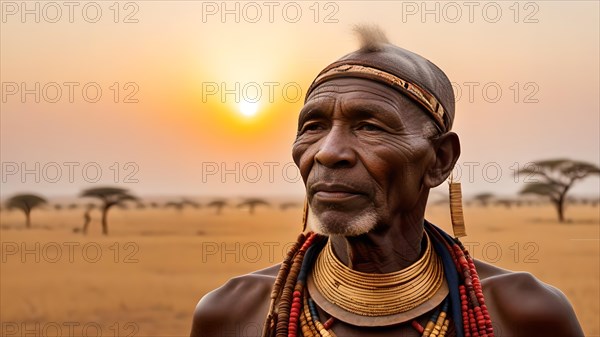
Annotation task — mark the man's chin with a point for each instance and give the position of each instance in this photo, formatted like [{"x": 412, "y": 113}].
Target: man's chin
[{"x": 332, "y": 224}]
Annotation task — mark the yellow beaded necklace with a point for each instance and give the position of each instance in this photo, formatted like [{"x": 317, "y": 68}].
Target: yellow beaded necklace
[{"x": 378, "y": 294}]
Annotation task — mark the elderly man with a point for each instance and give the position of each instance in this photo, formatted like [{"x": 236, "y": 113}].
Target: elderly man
[{"x": 373, "y": 138}]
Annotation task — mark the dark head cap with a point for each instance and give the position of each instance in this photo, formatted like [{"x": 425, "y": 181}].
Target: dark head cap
[{"x": 409, "y": 73}]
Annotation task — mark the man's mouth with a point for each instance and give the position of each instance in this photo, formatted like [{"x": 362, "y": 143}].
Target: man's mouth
[{"x": 333, "y": 192}]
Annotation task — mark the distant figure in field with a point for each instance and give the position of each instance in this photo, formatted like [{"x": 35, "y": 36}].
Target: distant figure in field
[
  {"x": 374, "y": 136},
  {"x": 87, "y": 218}
]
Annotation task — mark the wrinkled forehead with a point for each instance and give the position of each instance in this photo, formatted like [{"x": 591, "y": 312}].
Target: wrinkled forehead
[{"x": 357, "y": 92}]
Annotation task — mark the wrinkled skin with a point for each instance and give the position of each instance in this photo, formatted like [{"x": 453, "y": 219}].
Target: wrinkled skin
[
  {"x": 366, "y": 152},
  {"x": 361, "y": 149}
]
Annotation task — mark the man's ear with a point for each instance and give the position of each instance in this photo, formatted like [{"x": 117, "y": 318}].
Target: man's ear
[{"x": 447, "y": 151}]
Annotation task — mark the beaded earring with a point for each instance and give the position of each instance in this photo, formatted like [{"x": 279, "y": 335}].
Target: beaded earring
[{"x": 456, "y": 208}]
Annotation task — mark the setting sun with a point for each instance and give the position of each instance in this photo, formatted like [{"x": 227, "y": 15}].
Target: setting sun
[{"x": 248, "y": 109}]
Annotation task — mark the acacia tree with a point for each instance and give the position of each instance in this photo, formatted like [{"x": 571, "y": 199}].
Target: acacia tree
[
  {"x": 484, "y": 198},
  {"x": 110, "y": 196},
  {"x": 287, "y": 205},
  {"x": 191, "y": 203},
  {"x": 218, "y": 204},
  {"x": 178, "y": 205},
  {"x": 555, "y": 178},
  {"x": 505, "y": 202},
  {"x": 183, "y": 203},
  {"x": 26, "y": 203},
  {"x": 251, "y": 203}
]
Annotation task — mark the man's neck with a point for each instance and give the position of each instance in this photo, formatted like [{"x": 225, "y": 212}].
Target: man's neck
[{"x": 383, "y": 250}]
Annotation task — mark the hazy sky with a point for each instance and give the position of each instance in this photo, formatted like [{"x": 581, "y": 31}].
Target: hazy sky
[{"x": 143, "y": 94}]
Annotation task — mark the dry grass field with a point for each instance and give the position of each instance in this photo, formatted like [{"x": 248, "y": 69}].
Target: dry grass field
[{"x": 145, "y": 278}]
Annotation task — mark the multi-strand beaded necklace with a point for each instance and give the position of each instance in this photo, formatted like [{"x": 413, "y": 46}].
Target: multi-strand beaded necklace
[
  {"x": 377, "y": 295},
  {"x": 292, "y": 312}
]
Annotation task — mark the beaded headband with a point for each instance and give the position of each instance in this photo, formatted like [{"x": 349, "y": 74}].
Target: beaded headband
[{"x": 422, "y": 96}]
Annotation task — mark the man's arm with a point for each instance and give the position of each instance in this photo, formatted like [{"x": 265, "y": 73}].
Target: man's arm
[
  {"x": 238, "y": 308},
  {"x": 208, "y": 316},
  {"x": 524, "y": 306}
]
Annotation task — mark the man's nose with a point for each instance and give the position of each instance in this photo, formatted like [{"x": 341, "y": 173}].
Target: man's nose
[{"x": 336, "y": 150}]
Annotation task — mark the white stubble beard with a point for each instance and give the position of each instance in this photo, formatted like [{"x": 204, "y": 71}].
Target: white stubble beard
[{"x": 361, "y": 224}]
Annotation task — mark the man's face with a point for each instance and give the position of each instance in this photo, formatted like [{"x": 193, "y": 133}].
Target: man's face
[{"x": 362, "y": 151}]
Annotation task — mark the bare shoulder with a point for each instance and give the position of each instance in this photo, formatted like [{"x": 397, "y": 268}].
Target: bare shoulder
[
  {"x": 522, "y": 305},
  {"x": 238, "y": 308}
]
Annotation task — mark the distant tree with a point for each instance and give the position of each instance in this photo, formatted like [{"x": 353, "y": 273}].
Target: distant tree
[
  {"x": 572, "y": 200},
  {"x": 251, "y": 203},
  {"x": 178, "y": 205},
  {"x": 190, "y": 203},
  {"x": 73, "y": 206},
  {"x": 25, "y": 203},
  {"x": 555, "y": 179},
  {"x": 122, "y": 206},
  {"x": 58, "y": 207},
  {"x": 483, "y": 198},
  {"x": 287, "y": 205},
  {"x": 218, "y": 204},
  {"x": 110, "y": 196},
  {"x": 505, "y": 202},
  {"x": 154, "y": 204}
]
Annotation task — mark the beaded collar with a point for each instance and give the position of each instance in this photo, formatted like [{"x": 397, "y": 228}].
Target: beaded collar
[{"x": 364, "y": 299}]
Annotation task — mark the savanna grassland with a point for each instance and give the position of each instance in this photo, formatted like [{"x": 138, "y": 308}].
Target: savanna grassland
[{"x": 146, "y": 276}]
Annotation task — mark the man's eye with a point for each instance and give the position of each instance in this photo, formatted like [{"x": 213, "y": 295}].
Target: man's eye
[
  {"x": 369, "y": 127},
  {"x": 312, "y": 126}
]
